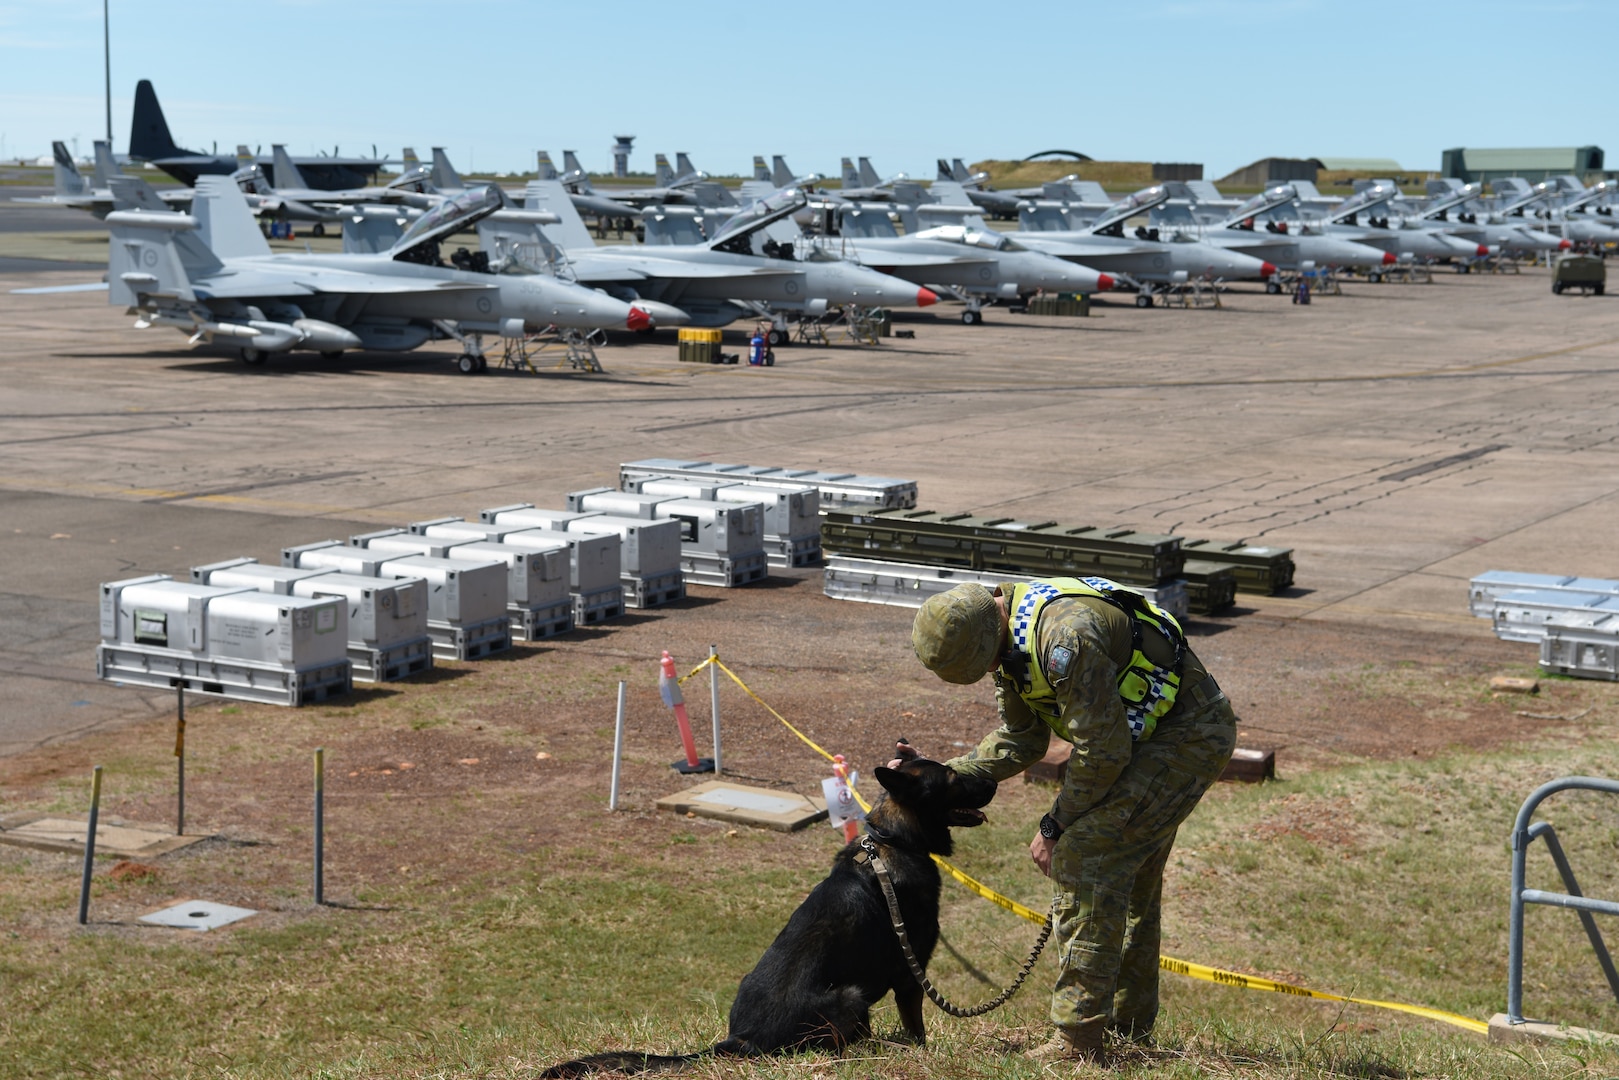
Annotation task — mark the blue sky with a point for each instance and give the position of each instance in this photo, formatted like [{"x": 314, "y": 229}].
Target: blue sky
[{"x": 1221, "y": 82}]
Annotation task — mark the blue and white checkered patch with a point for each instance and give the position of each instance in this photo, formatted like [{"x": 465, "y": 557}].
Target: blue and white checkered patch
[{"x": 1023, "y": 617}]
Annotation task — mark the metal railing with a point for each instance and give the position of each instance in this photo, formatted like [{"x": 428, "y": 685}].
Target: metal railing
[{"x": 1523, "y": 833}]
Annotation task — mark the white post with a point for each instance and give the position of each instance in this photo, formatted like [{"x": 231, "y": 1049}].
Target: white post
[
  {"x": 618, "y": 748},
  {"x": 714, "y": 702}
]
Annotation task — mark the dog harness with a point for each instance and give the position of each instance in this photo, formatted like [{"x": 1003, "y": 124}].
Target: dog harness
[{"x": 1147, "y": 689}]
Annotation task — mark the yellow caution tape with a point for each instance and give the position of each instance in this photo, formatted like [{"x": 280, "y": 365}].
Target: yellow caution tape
[{"x": 1166, "y": 963}]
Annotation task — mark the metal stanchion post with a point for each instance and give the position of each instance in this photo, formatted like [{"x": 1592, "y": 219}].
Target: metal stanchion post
[
  {"x": 90, "y": 847},
  {"x": 714, "y": 701},
  {"x": 618, "y": 748},
  {"x": 180, "y": 759},
  {"x": 320, "y": 824}
]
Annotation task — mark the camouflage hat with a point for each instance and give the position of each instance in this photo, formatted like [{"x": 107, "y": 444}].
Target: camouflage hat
[{"x": 957, "y": 634}]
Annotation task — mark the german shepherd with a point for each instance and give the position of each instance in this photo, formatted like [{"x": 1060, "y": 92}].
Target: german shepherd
[{"x": 814, "y": 987}]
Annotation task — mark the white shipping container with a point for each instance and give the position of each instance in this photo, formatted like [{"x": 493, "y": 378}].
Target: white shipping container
[
  {"x": 295, "y": 632},
  {"x": 157, "y": 612}
]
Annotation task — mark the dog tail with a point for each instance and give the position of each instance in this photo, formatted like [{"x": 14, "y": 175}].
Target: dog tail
[{"x": 635, "y": 1061}]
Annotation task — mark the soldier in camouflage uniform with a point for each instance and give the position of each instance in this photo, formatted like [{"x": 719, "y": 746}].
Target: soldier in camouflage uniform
[{"x": 1094, "y": 665}]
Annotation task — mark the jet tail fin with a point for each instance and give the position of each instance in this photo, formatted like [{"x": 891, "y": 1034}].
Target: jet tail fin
[
  {"x": 868, "y": 175},
  {"x": 548, "y": 169},
  {"x": 550, "y": 195},
  {"x": 106, "y": 164},
  {"x": 851, "y": 175},
  {"x": 959, "y": 170},
  {"x": 780, "y": 174},
  {"x": 942, "y": 170},
  {"x": 683, "y": 166},
  {"x": 445, "y": 178},
  {"x": 760, "y": 170},
  {"x": 286, "y": 173},
  {"x": 224, "y": 223},
  {"x": 662, "y": 174},
  {"x": 149, "y": 136},
  {"x": 69, "y": 181},
  {"x": 151, "y": 252}
]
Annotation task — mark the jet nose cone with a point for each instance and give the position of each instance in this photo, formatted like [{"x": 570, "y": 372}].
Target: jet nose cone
[
  {"x": 1564, "y": 245},
  {"x": 638, "y": 320},
  {"x": 1267, "y": 270},
  {"x": 1389, "y": 258},
  {"x": 1483, "y": 249},
  {"x": 1104, "y": 282},
  {"x": 925, "y": 297}
]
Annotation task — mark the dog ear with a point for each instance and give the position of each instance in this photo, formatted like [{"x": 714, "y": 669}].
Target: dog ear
[{"x": 897, "y": 783}]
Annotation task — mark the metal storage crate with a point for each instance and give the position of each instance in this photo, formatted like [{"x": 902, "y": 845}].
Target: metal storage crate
[
  {"x": 1210, "y": 586},
  {"x": 836, "y": 488},
  {"x": 537, "y": 596},
  {"x": 466, "y": 600},
  {"x": 387, "y": 621},
  {"x": 792, "y": 512},
  {"x": 231, "y": 642},
  {"x": 878, "y": 581},
  {"x": 593, "y": 570},
  {"x": 1483, "y": 589},
  {"x": 1259, "y": 569},
  {"x": 1007, "y": 545},
  {"x": 1522, "y": 614},
  {"x": 721, "y": 544},
  {"x": 1586, "y": 652},
  {"x": 651, "y": 573}
]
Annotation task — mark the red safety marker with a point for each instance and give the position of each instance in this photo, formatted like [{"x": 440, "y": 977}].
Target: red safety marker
[
  {"x": 669, "y": 687},
  {"x": 851, "y": 825}
]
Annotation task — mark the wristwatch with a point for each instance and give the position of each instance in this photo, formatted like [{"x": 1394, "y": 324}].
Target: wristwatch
[{"x": 1049, "y": 827}]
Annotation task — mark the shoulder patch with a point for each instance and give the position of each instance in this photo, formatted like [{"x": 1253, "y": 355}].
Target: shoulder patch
[{"x": 1060, "y": 662}]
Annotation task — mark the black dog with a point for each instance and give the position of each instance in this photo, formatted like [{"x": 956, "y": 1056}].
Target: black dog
[{"x": 815, "y": 985}]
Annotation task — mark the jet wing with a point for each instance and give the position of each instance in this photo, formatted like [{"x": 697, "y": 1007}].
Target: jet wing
[
  {"x": 308, "y": 281},
  {"x": 644, "y": 268},
  {"x": 1066, "y": 248},
  {"x": 884, "y": 259}
]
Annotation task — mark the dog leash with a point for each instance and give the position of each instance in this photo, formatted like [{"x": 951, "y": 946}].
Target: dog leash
[{"x": 869, "y": 847}]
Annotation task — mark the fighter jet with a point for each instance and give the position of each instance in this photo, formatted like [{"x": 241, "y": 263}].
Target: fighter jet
[
  {"x": 968, "y": 259},
  {"x": 1286, "y": 248},
  {"x": 211, "y": 275},
  {"x": 1149, "y": 263},
  {"x": 294, "y": 200},
  {"x": 1574, "y": 223},
  {"x": 1404, "y": 238},
  {"x": 996, "y": 204},
  {"x": 862, "y": 184},
  {"x": 72, "y": 190},
  {"x": 149, "y": 140},
  {"x": 707, "y": 280},
  {"x": 1513, "y": 238},
  {"x": 599, "y": 207}
]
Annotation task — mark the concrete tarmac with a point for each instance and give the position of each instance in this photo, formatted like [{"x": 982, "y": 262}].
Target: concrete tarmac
[{"x": 1400, "y": 438}]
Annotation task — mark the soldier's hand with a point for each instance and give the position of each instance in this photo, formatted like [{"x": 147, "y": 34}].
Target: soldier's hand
[
  {"x": 1040, "y": 850},
  {"x": 903, "y": 752}
]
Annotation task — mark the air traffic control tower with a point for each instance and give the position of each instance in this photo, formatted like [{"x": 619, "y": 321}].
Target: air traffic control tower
[{"x": 621, "y": 155}]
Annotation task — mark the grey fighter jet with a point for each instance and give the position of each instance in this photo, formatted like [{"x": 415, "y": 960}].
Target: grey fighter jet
[
  {"x": 969, "y": 260},
  {"x": 1516, "y": 238},
  {"x": 709, "y": 280},
  {"x": 72, "y": 190},
  {"x": 599, "y": 207},
  {"x": 1403, "y": 238},
  {"x": 1287, "y": 248},
  {"x": 996, "y": 204},
  {"x": 294, "y": 200},
  {"x": 1102, "y": 245},
  {"x": 862, "y": 184},
  {"x": 211, "y": 275}
]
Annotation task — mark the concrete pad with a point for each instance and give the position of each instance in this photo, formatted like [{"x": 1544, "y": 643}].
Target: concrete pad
[
  {"x": 198, "y": 915},
  {"x": 761, "y": 808},
  {"x": 57, "y": 832},
  {"x": 1504, "y": 1031}
]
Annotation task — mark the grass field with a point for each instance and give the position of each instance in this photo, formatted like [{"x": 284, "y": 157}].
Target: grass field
[{"x": 1384, "y": 881}]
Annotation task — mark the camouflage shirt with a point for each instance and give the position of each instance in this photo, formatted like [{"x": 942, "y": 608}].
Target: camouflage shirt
[{"x": 1098, "y": 643}]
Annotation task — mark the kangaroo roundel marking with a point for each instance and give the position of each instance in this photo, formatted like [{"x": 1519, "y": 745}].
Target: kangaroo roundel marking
[
  {"x": 484, "y": 305},
  {"x": 150, "y": 258},
  {"x": 790, "y": 288},
  {"x": 985, "y": 273}
]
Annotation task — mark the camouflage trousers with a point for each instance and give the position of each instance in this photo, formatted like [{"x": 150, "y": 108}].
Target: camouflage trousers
[{"x": 1109, "y": 871}]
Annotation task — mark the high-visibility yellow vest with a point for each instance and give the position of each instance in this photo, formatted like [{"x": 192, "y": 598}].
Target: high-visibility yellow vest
[{"x": 1147, "y": 690}]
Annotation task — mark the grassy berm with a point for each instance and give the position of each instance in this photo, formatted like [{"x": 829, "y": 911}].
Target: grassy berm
[{"x": 489, "y": 918}]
